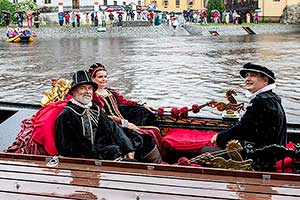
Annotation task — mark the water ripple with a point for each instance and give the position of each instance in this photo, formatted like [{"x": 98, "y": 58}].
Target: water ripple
[{"x": 163, "y": 71}]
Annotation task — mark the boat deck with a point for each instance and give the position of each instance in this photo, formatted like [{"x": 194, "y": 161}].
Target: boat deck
[{"x": 29, "y": 177}]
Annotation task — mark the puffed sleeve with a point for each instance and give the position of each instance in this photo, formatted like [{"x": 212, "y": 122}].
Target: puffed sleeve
[{"x": 121, "y": 100}]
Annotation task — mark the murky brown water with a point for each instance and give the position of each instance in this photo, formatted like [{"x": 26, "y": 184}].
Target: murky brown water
[{"x": 167, "y": 71}]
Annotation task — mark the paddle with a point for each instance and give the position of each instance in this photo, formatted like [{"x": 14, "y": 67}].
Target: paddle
[{"x": 34, "y": 35}]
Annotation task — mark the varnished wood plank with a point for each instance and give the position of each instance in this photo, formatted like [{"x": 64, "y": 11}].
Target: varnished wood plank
[
  {"x": 97, "y": 169},
  {"x": 22, "y": 196},
  {"x": 98, "y": 193},
  {"x": 167, "y": 168},
  {"x": 232, "y": 180},
  {"x": 136, "y": 182},
  {"x": 90, "y": 173},
  {"x": 214, "y": 178},
  {"x": 60, "y": 190}
]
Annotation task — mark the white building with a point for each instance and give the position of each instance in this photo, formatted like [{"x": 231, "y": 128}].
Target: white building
[{"x": 82, "y": 3}]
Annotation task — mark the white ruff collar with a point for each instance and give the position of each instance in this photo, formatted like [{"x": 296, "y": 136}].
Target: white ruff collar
[
  {"x": 74, "y": 101},
  {"x": 264, "y": 89}
]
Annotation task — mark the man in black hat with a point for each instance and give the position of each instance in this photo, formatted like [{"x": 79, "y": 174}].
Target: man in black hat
[
  {"x": 84, "y": 130},
  {"x": 264, "y": 121}
]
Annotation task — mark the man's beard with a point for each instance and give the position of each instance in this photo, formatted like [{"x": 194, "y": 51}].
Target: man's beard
[{"x": 84, "y": 99}]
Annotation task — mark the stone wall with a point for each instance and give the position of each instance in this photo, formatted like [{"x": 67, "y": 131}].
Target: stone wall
[
  {"x": 291, "y": 14},
  {"x": 156, "y": 31},
  {"x": 81, "y": 32}
]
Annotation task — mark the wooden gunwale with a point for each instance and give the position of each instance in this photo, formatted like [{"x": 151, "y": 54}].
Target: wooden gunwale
[
  {"x": 158, "y": 167},
  {"x": 120, "y": 178}
]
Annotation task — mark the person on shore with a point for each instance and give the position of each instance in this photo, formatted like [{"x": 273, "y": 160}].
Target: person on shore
[
  {"x": 29, "y": 19},
  {"x": 37, "y": 20},
  {"x": 67, "y": 18},
  {"x": 128, "y": 113},
  {"x": 84, "y": 130},
  {"x": 264, "y": 122},
  {"x": 61, "y": 18},
  {"x": 103, "y": 19},
  {"x": 6, "y": 19},
  {"x": 111, "y": 20},
  {"x": 120, "y": 20},
  {"x": 256, "y": 18},
  {"x": 96, "y": 19},
  {"x": 77, "y": 16},
  {"x": 20, "y": 19},
  {"x": 87, "y": 18},
  {"x": 73, "y": 19}
]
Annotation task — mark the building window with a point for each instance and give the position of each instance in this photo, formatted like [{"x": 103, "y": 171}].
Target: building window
[
  {"x": 34, "y": 1},
  {"x": 105, "y": 2},
  {"x": 15, "y": 1},
  {"x": 75, "y": 4},
  {"x": 139, "y": 3},
  {"x": 165, "y": 3},
  {"x": 276, "y": 0},
  {"x": 177, "y": 3},
  {"x": 124, "y": 3},
  {"x": 47, "y": 1},
  {"x": 115, "y": 3}
]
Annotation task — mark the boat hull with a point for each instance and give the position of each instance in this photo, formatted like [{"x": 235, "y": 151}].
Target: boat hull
[
  {"x": 31, "y": 177},
  {"x": 20, "y": 39}
]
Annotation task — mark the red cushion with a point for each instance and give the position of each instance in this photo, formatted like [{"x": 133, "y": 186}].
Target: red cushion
[{"x": 186, "y": 139}]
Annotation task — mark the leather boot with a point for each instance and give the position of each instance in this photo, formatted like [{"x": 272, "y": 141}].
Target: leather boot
[{"x": 153, "y": 156}]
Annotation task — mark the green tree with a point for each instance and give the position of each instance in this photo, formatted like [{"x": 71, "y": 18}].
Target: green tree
[
  {"x": 215, "y": 5},
  {"x": 6, "y": 5},
  {"x": 27, "y": 5}
]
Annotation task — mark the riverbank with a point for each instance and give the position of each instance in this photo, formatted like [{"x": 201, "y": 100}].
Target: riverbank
[{"x": 159, "y": 31}]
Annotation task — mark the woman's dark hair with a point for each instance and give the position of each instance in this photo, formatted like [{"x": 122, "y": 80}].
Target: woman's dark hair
[{"x": 94, "y": 68}]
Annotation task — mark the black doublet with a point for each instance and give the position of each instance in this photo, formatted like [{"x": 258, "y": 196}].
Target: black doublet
[
  {"x": 264, "y": 123},
  {"x": 79, "y": 135}
]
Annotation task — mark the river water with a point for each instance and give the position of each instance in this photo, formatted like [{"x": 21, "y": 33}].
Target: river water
[{"x": 164, "y": 71}]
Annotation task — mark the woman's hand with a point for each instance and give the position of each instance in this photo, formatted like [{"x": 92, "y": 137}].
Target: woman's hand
[
  {"x": 132, "y": 126},
  {"x": 148, "y": 107},
  {"x": 214, "y": 138},
  {"x": 130, "y": 155}
]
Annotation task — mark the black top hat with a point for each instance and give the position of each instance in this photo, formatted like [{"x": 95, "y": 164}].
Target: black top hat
[
  {"x": 82, "y": 77},
  {"x": 249, "y": 67}
]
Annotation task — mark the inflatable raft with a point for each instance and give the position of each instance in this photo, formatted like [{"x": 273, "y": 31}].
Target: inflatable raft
[{"x": 20, "y": 39}]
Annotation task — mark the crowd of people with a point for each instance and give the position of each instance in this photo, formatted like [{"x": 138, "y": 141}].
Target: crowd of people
[
  {"x": 110, "y": 18},
  {"x": 95, "y": 121},
  {"x": 32, "y": 18}
]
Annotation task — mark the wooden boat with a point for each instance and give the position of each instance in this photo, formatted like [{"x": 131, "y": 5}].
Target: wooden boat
[
  {"x": 44, "y": 177},
  {"x": 20, "y": 39}
]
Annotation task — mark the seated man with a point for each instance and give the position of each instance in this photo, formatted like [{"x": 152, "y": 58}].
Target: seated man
[
  {"x": 84, "y": 130},
  {"x": 264, "y": 121}
]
